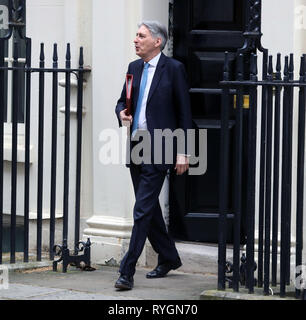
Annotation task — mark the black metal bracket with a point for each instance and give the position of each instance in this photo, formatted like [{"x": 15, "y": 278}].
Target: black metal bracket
[
  {"x": 242, "y": 272},
  {"x": 80, "y": 261},
  {"x": 253, "y": 32}
]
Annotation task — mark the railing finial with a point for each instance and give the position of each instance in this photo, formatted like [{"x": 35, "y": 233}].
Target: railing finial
[
  {"x": 42, "y": 54},
  {"x": 55, "y": 56},
  {"x": 270, "y": 67}
]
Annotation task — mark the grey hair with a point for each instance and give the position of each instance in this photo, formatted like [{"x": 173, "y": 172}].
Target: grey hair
[{"x": 158, "y": 30}]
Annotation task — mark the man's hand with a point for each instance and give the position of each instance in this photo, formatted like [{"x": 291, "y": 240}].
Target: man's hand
[
  {"x": 125, "y": 119},
  {"x": 182, "y": 164}
]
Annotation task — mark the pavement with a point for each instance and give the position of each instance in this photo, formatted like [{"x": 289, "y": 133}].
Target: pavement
[
  {"x": 180, "y": 294},
  {"x": 39, "y": 282},
  {"x": 195, "y": 280}
]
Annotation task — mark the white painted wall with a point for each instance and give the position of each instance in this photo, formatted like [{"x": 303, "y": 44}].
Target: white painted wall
[
  {"x": 278, "y": 26},
  {"x": 284, "y": 32},
  {"x": 299, "y": 50}
]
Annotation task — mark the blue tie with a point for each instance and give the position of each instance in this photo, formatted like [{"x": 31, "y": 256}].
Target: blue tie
[{"x": 140, "y": 97}]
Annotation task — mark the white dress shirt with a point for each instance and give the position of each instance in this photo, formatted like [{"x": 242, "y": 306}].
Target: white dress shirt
[{"x": 142, "y": 123}]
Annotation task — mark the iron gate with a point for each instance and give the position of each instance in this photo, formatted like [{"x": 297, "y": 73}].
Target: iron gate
[
  {"x": 274, "y": 165},
  {"x": 22, "y": 72}
]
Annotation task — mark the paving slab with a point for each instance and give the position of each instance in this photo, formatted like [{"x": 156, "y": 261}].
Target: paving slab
[
  {"x": 20, "y": 292},
  {"x": 243, "y": 294}
]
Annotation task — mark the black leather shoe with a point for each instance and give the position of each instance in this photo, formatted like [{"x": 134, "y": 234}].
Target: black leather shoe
[
  {"x": 161, "y": 270},
  {"x": 124, "y": 282}
]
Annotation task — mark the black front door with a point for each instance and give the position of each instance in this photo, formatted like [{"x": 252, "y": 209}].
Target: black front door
[{"x": 202, "y": 31}]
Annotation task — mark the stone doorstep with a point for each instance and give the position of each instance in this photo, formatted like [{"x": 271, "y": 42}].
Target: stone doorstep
[{"x": 199, "y": 258}]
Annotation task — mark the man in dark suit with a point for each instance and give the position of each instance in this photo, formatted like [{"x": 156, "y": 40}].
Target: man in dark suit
[{"x": 160, "y": 101}]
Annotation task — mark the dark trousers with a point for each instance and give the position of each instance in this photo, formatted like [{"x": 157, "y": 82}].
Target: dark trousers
[{"x": 148, "y": 219}]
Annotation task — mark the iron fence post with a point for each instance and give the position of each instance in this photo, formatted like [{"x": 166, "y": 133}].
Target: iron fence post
[
  {"x": 224, "y": 157},
  {"x": 27, "y": 150}
]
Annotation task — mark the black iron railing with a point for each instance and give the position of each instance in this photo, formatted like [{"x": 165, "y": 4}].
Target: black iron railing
[
  {"x": 26, "y": 71},
  {"x": 275, "y": 168}
]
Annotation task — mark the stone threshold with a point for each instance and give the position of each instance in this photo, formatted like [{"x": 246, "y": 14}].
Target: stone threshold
[{"x": 197, "y": 257}]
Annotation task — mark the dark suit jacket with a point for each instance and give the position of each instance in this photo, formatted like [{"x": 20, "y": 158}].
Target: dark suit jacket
[{"x": 168, "y": 104}]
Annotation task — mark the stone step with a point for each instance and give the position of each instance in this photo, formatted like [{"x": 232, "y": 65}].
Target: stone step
[{"x": 196, "y": 257}]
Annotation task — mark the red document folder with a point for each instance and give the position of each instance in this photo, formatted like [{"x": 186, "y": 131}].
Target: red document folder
[{"x": 129, "y": 87}]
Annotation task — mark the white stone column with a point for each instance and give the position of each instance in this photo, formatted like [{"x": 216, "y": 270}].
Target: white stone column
[{"x": 110, "y": 225}]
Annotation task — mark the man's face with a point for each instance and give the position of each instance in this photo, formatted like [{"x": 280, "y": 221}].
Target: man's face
[{"x": 145, "y": 44}]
